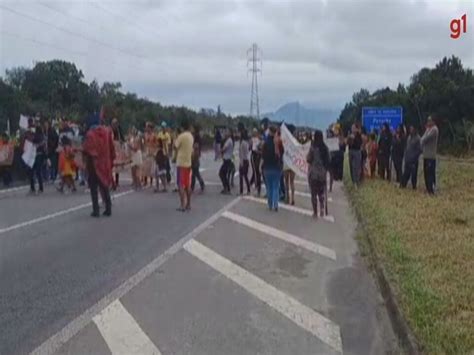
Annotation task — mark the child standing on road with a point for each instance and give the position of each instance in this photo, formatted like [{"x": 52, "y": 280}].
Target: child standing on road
[{"x": 67, "y": 166}]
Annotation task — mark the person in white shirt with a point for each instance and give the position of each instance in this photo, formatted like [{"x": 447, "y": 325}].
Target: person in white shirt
[
  {"x": 244, "y": 162},
  {"x": 227, "y": 153},
  {"x": 256, "y": 158}
]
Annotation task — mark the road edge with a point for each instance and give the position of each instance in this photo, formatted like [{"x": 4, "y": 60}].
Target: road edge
[{"x": 400, "y": 326}]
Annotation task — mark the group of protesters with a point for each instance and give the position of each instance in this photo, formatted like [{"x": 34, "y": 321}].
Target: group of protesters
[
  {"x": 401, "y": 149},
  {"x": 263, "y": 151},
  {"x": 96, "y": 154}
]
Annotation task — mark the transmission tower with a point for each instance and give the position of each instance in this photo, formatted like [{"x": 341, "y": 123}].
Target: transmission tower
[{"x": 254, "y": 66}]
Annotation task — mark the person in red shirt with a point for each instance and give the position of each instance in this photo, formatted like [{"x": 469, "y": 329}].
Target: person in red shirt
[{"x": 99, "y": 154}]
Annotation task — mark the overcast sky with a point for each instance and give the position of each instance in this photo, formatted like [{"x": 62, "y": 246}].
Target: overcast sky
[{"x": 193, "y": 52}]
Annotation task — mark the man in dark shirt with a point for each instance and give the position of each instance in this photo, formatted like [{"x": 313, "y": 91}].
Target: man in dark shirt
[
  {"x": 52, "y": 147},
  {"x": 355, "y": 154},
  {"x": 398, "y": 150},
  {"x": 412, "y": 155},
  {"x": 385, "y": 149}
]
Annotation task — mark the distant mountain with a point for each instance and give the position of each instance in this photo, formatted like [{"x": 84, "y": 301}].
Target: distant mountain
[{"x": 299, "y": 115}]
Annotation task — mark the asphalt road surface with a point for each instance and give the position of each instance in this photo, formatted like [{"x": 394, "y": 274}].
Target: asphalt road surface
[{"x": 229, "y": 277}]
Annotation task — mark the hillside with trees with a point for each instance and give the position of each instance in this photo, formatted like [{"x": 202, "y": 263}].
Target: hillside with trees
[{"x": 446, "y": 92}]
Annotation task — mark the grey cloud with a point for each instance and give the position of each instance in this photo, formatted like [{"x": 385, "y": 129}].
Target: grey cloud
[{"x": 314, "y": 51}]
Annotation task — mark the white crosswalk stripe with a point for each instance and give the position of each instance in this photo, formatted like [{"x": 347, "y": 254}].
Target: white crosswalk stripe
[
  {"x": 122, "y": 333},
  {"x": 287, "y": 237},
  {"x": 300, "y": 210},
  {"x": 315, "y": 323}
]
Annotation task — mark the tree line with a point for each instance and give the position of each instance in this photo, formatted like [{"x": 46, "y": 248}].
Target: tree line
[
  {"x": 446, "y": 92},
  {"x": 56, "y": 89}
]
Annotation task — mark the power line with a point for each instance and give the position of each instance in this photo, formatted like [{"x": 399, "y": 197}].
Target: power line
[
  {"x": 123, "y": 18},
  {"x": 42, "y": 43},
  {"x": 52, "y": 8},
  {"x": 71, "y": 33}
]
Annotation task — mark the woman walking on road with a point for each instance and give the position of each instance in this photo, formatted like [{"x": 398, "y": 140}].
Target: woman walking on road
[
  {"x": 272, "y": 154},
  {"x": 289, "y": 176},
  {"x": 224, "y": 171},
  {"x": 39, "y": 141},
  {"x": 318, "y": 165},
  {"x": 256, "y": 158},
  {"x": 244, "y": 162}
]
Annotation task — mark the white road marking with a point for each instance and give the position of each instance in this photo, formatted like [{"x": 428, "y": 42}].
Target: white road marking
[
  {"x": 122, "y": 333},
  {"x": 287, "y": 237},
  {"x": 303, "y": 316},
  {"x": 303, "y": 211},
  {"x": 51, "y": 345},
  {"x": 56, "y": 214},
  {"x": 13, "y": 189}
]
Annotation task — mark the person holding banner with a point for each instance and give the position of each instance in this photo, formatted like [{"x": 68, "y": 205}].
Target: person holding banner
[{"x": 318, "y": 165}]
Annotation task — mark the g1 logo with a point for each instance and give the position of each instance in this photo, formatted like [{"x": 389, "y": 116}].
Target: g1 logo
[{"x": 455, "y": 26}]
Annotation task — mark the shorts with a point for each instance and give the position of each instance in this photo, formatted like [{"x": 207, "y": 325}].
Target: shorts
[{"x": 184, "y": 177}]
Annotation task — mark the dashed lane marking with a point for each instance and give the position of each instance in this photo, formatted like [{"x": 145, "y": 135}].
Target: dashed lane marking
[
  {"x": 56, "y": 214},
  {"x": 122, "y": 333},
  {"x": 287, "y": 237},
  {"x": 308, "y": 319},
  {"x": 300, "y": 210},
  {"x": 51, "y": 345}
]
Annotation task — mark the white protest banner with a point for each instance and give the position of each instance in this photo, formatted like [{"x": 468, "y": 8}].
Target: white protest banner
[
  {"x": 332, "y": 143},
  {"x": 23, "y": 122},
  {"x": 29, "y": 153},
  {"x": 295, "y": 153}
]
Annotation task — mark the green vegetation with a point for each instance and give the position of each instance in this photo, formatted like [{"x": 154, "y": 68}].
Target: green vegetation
[
  {"x": 446, "y": 92},
  {"x": 57, "y": 89},
  {"x": 426, "y": 245}
]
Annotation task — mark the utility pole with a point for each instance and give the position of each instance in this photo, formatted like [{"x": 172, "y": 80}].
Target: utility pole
[{"x": 254, "y": 66}]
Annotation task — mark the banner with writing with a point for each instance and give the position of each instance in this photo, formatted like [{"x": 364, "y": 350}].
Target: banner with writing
[{"x": 295, "y": 153}]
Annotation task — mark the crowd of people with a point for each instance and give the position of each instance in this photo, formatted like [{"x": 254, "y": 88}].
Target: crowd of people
[
  {"x": 96, "y": 154},
  {"x": 263, "y": 152},
  {"x": 400, "y": 149}
]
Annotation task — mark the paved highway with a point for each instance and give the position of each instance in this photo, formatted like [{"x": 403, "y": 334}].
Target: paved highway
[{"x": 229, "y": 277}]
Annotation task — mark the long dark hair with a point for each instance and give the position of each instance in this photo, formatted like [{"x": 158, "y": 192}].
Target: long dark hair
[{"x": 318, "y": 142}]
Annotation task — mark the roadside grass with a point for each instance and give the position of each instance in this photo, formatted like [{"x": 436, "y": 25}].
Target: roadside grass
[{"x": 426, "y": 245}]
